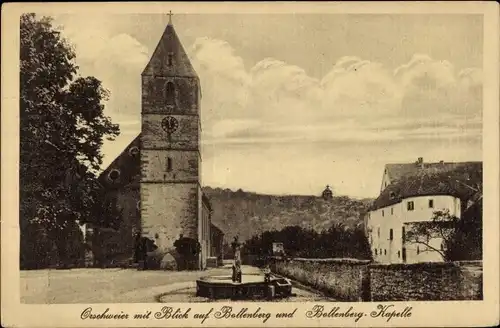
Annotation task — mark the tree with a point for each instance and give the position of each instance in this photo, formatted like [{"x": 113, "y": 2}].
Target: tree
[
  {"x": 62, "y": 126},
  {"x": 336, "y": 242},
  {"x": 442, "y": 226},
  {"x": 292, "y": 238},
  {"x": 227, "y": 250},
  {"x": 462, "y": 237},
  {"x": 188, "y": 249},
  {"x": 467, "y": 243}
]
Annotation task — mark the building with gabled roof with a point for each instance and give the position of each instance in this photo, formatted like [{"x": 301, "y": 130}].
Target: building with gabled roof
[
  {"x": 411, "y": 193},
  {"x": 156, "y": 181},
  {"x": 396, "y": 171}
]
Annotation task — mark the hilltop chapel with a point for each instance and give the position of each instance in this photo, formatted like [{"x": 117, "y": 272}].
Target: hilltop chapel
[{"x": 155, "y": 183}]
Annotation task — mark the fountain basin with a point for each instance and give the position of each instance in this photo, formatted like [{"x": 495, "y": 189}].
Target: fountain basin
[{"x": 251, "y": 287}]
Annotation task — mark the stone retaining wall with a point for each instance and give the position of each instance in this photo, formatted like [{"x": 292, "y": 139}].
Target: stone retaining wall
[
  {"x": 426, "y": 281},
  {"x": 343, "y": 279},
  {"x": 357, "y": 280}
]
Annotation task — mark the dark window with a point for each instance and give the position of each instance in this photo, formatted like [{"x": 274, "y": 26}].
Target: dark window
[
  {"x": 403, "y": 234},
  {"x": 392, "y": 195},
  {"x": 169, "y": 164},
  {"x": 391, "y": 234},
  {"x": 170, "y": 59},
  {"x": 385, "y": 251},
  {"x": 193, "y": 163},
  {"x": 399, "y": 254},
  {"x": 133, "y": 151},
  {"x": 114, "y": 175},
  {"x": 382, "y": 212},
  {"x": 392, "y": 210},
  {"x": 431, "y": 203},
  {"x": 418, "y": 250},
  {"x": 376, "y": 251},
  {"x": 170, "y": 93},
  {"x": 378, "y": 232},
  {"x": 442, "y": 246},
  {"x": 410, "y": 206}
]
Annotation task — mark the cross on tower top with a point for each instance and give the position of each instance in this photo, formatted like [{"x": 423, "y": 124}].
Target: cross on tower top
[{"x": 170, "y": 17}]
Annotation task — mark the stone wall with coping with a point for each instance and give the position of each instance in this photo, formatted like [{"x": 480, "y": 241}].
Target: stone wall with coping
[
  {"x": 357, "y": 280},
  {"x": 343, "y": 279},
  {"x": 426, "y": 281}
]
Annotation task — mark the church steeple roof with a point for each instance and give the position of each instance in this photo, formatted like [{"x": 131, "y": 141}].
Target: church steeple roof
[{"x": 169, "y": 57}]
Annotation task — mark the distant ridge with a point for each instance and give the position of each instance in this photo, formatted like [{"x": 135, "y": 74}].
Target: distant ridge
[
  {"x": 278, "y": 194},
  {"x": 245, "y": 213}
]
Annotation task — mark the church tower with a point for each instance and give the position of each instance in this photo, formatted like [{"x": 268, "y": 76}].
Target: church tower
[{"x": 170, "y": 187}]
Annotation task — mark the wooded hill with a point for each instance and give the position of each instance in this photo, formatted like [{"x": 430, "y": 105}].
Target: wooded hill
[{"x": 246, "y": 214}]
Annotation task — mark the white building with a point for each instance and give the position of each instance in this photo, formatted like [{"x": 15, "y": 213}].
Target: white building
[{"x": 411, "y": 193}]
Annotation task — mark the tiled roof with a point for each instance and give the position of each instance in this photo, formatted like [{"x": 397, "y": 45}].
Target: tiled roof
[
  {"x": 128, "y": 165},
  {"x": 398, "y": 171},
  {"x": 454, "y": 179},
  {"x": 206, "y": 200},
  {"x": 170, "y": 45},
  {"x": 475, "y": 200},
  {"x": 216, "y": 229}
]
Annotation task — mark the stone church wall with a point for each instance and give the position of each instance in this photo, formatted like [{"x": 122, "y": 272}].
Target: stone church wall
[
  {"x": 168, "y": 199},
  {"x": 184, "y": 165},
  {"x": 184, "y": 138},
  {"x": 153, "y": 95},
  {"x": 116, "y": 247},
  {"x": 168, "y": 211}
]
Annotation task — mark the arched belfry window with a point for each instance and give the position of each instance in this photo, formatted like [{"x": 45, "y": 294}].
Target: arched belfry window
[
  {"x": 170, "y": 93},
  {"x": 170, "y": 59}
]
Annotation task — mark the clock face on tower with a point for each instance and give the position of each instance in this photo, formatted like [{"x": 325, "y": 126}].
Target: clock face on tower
[{"x": 169, "y": 124}]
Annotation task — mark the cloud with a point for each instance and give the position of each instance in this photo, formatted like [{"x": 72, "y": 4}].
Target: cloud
[
  {"x": 471, "y": 77},
  {"x": 360, "y": 88},
  {"x": 224, "y": 80},
  {"x": 226, "y": 127},
  {"x": 424, "y": 72},
  {"x": 272, "y": 78},
  {"x": 217, "y": 57},
  {"x": 433, "y": 87},
  {"x": 283, "y": 92},
  {"x": 115, "y": 58},
  {"x": 356, "y": 101}
]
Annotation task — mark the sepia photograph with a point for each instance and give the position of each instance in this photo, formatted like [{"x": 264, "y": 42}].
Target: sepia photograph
[{"x": 296, "y": 157}]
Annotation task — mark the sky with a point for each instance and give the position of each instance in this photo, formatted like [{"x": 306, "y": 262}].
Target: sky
[{"x": 293, "y": 102}]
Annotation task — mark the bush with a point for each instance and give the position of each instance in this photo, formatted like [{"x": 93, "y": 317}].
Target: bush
[
  {"x": 188, "y": 250},
  {"x": 335, "y": 242}
]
